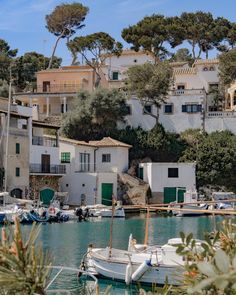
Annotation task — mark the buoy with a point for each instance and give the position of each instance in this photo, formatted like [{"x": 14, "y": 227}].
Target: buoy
[
  {"x": 141, "y": 270},
  {"x": 128, "y": 274}
]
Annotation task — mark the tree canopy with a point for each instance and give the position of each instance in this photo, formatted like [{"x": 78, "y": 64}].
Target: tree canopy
[
  {"x": 151, "y": 33},
  {"x": 6, "y": 56},
  {"x": 227, "y": 67},
  {"x": 95, "y": 114},
  {"x": 28, "y": 64},
  {"x": 64, "y": 21},
  {"x": 215, "y": 156},
  {"x": 150, "y": 83},
  {"x": 94, "y": 49}
]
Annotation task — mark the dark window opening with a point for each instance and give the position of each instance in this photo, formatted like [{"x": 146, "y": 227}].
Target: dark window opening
[
  {"x": 106, "y": 158},
  {"x": 173, "y": 172},
  {"x": 168, "y": 109},
  {"x": 147, "y": 109},
  {"x": 17, "y": 148},
  {"x": 17, "y": 172}
]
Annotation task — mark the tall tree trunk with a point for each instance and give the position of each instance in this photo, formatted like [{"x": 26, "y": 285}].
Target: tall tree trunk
[
  {"x": 206, "y": 54},
  {"x": 193, "y": 50},
  {"x": 150, "y": 114},
  {"x": 53, "y": 52},
  {"x": 98, "y": 80}
]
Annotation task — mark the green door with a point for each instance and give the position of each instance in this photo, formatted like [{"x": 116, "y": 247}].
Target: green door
[
  {"x": 107, "y": 191},
  {"x": 181, "y": 192},
  {"x": 46, "y": 195},
  {"x": 140, "y": 173},
  {"x": 170, "y": 194}
]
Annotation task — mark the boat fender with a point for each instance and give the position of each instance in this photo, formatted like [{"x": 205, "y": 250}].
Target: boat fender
[
  {"x": 141, "y": 270},
  {"x": 52, "y": 210},
  {"x": 128, "y": 274}
]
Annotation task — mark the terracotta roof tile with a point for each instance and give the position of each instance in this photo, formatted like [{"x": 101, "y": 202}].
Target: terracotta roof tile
[{"x": 109, "y": 142}]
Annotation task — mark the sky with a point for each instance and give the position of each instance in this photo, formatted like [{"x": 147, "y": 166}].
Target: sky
[{"x": 22, "y": 22}]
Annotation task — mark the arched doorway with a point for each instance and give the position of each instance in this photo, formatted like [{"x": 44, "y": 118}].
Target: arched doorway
[
  {"x": 46, "y": 195},
  {"x": 16, "y": 193}
]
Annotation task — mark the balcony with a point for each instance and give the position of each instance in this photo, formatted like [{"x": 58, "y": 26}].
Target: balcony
[
  {"x": 43, "y": 141},
  {"x": 222, "y": 114},
  {"x": 47, "y": 169},
  {"x": 57, "y": 88},
  {"x": 189, "y": 92}
]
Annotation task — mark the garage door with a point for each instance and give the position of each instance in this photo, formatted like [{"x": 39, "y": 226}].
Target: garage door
[
  {"x": 46, "y": 195},
  {"x": 107, "y": 191},
  {"x": 170, "y": 194}
]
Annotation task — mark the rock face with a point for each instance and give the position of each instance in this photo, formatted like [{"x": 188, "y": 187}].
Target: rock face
[{"x": 132, "y": 190}]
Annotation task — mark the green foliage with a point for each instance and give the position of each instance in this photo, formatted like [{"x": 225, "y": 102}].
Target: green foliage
[
  {"x": 64, "y": 21},
  {"x": 182, "y": 55},
  {"x": 4, "y": 88},
  {"x": 151, "y": 34},
  {"x": 210, "y": 265},
  {"x": 6, "y": 56},
  {"x": 215, "y": 156},
  {"x": 227, "y": 67},
  {"x": 95, "y": 114},
  {"x": 97, "y": 45},
  {"x": 24, "y": 268},
  {"x": 150, "y": 83},
  {"x": 28, "y": 64}
]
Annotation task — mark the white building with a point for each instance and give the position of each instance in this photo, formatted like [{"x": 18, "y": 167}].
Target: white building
[
  {"x": 168, "y": 181},
  {"x": 92, "y": 169}
]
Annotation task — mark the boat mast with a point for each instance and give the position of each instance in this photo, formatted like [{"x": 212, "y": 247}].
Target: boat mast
[
  {"x": 111, "y": 226},
  {"x": 7, "y": 131},
  {"x": 146, "y": 227}
]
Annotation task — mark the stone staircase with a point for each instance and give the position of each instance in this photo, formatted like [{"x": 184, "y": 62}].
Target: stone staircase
[{"x": 133, "y": 190}]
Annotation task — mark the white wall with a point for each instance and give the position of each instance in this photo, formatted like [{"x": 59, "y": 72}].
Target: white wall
[
  {"x": 156, "y": 174},
  {"x": 36, "y": 152},
  {"x": 77, "y": 184},
  {"x": 119, "y": 159}
]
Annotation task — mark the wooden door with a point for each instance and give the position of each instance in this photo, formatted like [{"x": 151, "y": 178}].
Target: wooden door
[
  {"x": 107, "y": 191},
  {"x": 45, "y": 160}
]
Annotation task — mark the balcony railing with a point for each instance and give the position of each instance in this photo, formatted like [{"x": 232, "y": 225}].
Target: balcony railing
[
  {"x": 221, "y": 114},
  {"x": 187, "y": 92},
  {"x": 47, "y": 169},
  {"x": 43, "y": 141},
  {"x": 57, "y": 88}
]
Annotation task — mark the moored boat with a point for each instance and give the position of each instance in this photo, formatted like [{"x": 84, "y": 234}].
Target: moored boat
[{"x": 155, "y": 266}]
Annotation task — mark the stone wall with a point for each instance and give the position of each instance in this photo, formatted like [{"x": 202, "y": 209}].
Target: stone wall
[{"x": 39, "y": 182}]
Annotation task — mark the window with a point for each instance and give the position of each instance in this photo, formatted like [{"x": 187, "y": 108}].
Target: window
[
  {"x": 168, "y": 108},
  {"x": 65, "y": 157},
  {"x": 147, "y": 109},
  {"x": 115, "y": 75},
  {"x": 62, "y": 108},
  {"x": 205, "y": 69},
  {"x": 173, "y": 172},
  {"x": 128, "y": 109},
  {"x": 17, "y": 171},
  {"x": 106, "y": 158},
  {"x": 181, "y": 87},
  {"x": 17, "y": 148},
  {"x": 191, "y": 108},
  {"x": 84, "y": 162},
  {"x": 212, "y": 69}
]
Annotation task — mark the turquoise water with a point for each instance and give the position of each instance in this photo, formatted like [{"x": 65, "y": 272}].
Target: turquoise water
[{"x": 69, "y": 241}]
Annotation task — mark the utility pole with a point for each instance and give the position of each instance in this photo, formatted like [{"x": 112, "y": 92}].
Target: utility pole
[{"x": 8, "y": 125}]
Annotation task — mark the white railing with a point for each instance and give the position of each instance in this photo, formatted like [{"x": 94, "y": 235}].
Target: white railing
[
  {"x": 221, "y": 114},
  {"x": 187, "y": 92}
]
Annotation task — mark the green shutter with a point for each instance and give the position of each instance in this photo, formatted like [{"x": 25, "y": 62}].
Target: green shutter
[
  {"x": 17, "y": 148},
  {"x": 140, "y": 173},
  {"x": 46, "y": 196},
  {"x": 115, "y": 75},
  {"x": 65, "y": 157},
  {"x": 17, "y": 171}
]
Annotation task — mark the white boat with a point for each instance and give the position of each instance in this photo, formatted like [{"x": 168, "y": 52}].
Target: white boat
[
  {"x": 105, "y": 211},
  {"x": 156, "y": 266},
  {"x": 192, "y": 208}
]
